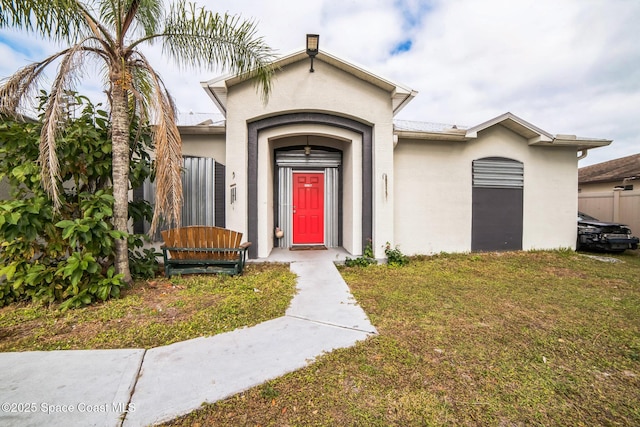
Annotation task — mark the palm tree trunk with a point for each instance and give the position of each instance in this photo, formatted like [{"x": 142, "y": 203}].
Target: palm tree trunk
[{"x": 120, "y": 176}]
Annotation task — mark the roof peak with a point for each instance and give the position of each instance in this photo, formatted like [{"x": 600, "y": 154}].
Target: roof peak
[{"x": 401, "y": 95}]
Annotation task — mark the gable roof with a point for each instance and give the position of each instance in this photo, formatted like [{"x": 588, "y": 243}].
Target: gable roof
[
  {"x": 509, "y": 120},
  {"x": 400, "y": 95},
  {"x": 612, "y": 170},
  {"x": 533, "y": 134}
]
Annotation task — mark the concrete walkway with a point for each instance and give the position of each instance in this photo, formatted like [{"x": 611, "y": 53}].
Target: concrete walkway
[{"x": 93, "y": 388}]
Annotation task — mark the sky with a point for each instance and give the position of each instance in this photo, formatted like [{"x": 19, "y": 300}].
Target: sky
[{"x": 566, "y": 66}]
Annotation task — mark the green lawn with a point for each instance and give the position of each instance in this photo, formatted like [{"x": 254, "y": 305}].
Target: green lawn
[
  {"x": 154, "y": 313},
  {"x": 512, "y": 339}
]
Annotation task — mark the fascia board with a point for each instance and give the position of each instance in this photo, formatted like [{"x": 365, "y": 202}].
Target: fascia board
[
  {"x": 202, "y": 130},
  {"x": 432, "y": 136},
  {"x": 473, "y": 131},
  {"x": 209, "y": 89}
]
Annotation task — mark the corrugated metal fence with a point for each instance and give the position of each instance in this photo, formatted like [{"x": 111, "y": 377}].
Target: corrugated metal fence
[{"x": 203, "y": 193}]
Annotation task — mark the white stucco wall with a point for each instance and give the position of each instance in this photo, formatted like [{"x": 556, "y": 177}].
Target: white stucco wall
[
  {"x": 328, "y": 90},
  {"x": 433, "y": 192},
  {"x": 212, "y": 146}
]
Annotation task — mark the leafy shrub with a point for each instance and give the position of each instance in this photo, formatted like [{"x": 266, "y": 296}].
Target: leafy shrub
[
  {"x": 365, "y": 260},
  {"x": 395, "y": 258},
  {"x": 67, "y": 254}
]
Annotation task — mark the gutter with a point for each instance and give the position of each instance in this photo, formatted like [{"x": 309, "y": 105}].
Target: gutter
[
  {"x": 412, "y": 94},
  {"x": 202, "y": 130}
]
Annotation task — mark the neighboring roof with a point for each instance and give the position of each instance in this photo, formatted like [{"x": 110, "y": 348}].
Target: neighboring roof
[
  {"x": 613, "y": 170},
  {"x": 416, "y": 126},
  {"x": 432, "y": 131},
  {"x": 401, "y": 95},
  {"x": 200, "y": 119},
  {"x": 533, "y": 134},
  {"x": 200, "y": 123}
]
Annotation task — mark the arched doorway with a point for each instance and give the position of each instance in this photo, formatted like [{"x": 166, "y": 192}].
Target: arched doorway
[{"x": 364, "y": 184}]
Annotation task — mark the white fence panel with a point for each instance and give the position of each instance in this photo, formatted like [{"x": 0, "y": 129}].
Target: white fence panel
[{"x": 617, "y": 206}]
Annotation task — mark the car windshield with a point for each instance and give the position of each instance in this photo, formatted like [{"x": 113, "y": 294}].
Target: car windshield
[{"x": 584, "y": 216}]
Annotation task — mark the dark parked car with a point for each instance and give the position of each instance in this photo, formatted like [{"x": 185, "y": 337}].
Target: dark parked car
[{"x": 604, "y": 236}]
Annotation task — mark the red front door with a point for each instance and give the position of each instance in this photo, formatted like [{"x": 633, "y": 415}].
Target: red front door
[{"x": 308, "y": 208}]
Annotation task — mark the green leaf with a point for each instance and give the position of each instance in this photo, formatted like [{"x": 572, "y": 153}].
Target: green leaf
[
  {"x": 67, "y": 232},
  {"x": 14, "y": 217},
  {"x": 8, "y": 271},
  {"x": 65, "y": 223}
]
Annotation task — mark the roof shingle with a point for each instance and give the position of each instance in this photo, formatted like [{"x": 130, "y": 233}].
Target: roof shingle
[{"x": 613, "y": 170}]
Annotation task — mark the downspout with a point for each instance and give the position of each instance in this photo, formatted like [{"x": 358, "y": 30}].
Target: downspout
[{"x": 583, "y": 154}]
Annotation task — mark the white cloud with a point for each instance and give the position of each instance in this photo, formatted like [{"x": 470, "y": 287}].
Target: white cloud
[{"x": 570, "y": 66}]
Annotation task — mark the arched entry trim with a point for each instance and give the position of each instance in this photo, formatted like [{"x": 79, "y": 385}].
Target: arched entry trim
[{"x": 254, "y": 128}]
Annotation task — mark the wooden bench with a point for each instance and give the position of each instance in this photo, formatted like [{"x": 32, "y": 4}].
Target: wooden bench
[{"x": 202, "y": 249}]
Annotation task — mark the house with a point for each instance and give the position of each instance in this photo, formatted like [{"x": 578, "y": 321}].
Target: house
[
  {"x": 610, "y": 191},
  {"x": 325, "y": 163},
  {"x": 621, "y": 173}
]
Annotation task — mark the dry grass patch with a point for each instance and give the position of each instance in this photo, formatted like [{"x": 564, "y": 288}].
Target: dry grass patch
[
  {"x": 154, "y": 313},
  {"x": 513, "y": 339}
]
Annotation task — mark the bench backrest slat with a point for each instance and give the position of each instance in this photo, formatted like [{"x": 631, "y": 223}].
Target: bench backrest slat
[{"x": 202, "y": 237}]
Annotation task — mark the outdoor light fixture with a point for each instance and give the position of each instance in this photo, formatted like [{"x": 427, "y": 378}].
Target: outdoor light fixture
[
  {"x": 307, "y": 148},
  {"x": 313, "y": 41}
]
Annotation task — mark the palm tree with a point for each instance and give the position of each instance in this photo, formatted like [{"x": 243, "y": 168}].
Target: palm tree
[{"x": 112, "y": 33}]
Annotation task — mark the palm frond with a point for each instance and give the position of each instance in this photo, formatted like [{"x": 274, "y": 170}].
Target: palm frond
[
  {"x": 148, "y": 15},
  {"x": 130, "y": 13},
  {"x": 109, "y": 13},
  {"x": 143, "y": 87},
  {"x": 198, "y": 37},
  {"x": 101, "y": 34},
  {"x": 53, "y": 120},
  {"x": 22, "y": 86},
  {"x": 60, "y": 20},
  {"x": 155, "y": 101},
  {"x": 133, "y": 18}
]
